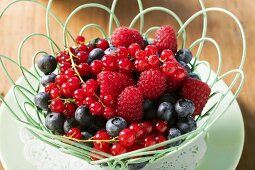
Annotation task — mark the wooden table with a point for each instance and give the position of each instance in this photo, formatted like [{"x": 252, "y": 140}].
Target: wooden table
[{"x": 26, "y": 18}]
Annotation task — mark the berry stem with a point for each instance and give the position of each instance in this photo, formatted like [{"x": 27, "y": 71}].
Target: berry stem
[
  {"x": 113, "y": 140},
  {"x": 73, "y": 64}
]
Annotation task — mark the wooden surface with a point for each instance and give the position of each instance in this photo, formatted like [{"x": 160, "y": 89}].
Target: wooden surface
[{"x": 25, "y": 18}]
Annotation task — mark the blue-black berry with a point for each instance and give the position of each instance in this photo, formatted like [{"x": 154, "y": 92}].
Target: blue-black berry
[
  {"x": 110, "y": 51},
  {"x": 194, "y": 76},
  {"x": 137, "y": 166},
  {"x": 82, "y": 115},
  {"x": 42, "y": 100},
  {"x": 184, "y": 107},
  {"x": 184, "y": 55},
  {"x": 70, "y": 123},
  {"x": 95, "y": 54},
  {"x": 115, "y": 125},
  {"x": 173, "y": 133},
  {"x": 165, "y": 111},
  {"x": 50, "y": 78},
  {"x": 186, "y": 124},
  {"x": 47, "y": 63},
  {"x": 87, "y": 136},
  {"x": 54, "y": 122},
  {"x": 187, "y": 68}
]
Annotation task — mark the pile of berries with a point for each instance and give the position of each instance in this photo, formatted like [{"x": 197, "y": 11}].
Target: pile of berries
[{"x": 122, "y": 94}]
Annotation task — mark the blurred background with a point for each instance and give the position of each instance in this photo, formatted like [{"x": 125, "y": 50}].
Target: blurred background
[{"x": 25, "y": 18}]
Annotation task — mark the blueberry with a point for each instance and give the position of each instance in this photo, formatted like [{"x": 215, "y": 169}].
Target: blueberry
[
  {"x": 194, "y": 76},
  {"x": 137, "y": 166},
  {"x": 186, "y": 124},
  {"x": 70, "y": 123},
  {"x": 147, "y": 105},
  {"x": 115, "y": 125},
  {"x": 184, "y": 55},
  {"x": 165, "y": 111},
  {"x": 187, "y": 68},
  {"x": 50, "y": 78},
  {"x": 54, "y": 122},
  {"x": 96, "y": 123},
  {"x": 94, "y": 41},
  {"x": 173, "y": 133},
  {"x": 150, "y": 114},
  {"x": 145, "y": 42},
  {"x": 184, "y": 107},
  {"x": 82, "y": 115},
  {"x": 42, "y": 100},
  {"x": 173, "y": 120},
  {"x": 149, "y": 110},
  {"x": 86, "y": 136},
  {"x": 95, "y": 54},
  {"x": 110, "y": 50},
  {"x": 167, "y": 97},
  {"x": 47, "y": 63}
]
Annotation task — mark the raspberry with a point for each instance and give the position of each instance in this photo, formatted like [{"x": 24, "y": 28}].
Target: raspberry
[
  {"x": 125, "y": 36},
  {"x": 196, "y": 91},
  {"x": 152, "y": 83},
  {"x": 112, "y": 83},
  {"x": 165, "y": 38},
  {"x": 130, "y": 104}
]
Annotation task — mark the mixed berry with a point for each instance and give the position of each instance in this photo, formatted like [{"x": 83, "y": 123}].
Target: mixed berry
[{"x": 122, "y": 94}]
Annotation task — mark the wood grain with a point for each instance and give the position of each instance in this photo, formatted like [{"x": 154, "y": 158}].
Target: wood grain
[{"x": 25, "y": 18}]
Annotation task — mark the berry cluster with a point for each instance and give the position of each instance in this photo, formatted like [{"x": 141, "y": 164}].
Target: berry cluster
[{"x": 122, "y": 96}]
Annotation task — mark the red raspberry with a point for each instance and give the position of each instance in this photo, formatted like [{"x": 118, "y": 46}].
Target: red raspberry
[
  {"x": 196, "y": 91},
  {"x": 125, "y": 36},
  {"x": 152, "y": 83},
  {"x": 165, "y": 38},
  {"x": 130, "y": 104},
  {"x": 113, "y": 83}
]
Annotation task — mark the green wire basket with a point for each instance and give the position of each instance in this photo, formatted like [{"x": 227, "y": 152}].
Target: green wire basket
[{"x": 27, "y": 114}]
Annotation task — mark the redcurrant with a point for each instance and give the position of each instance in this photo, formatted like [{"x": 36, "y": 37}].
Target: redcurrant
[
  {"x": 121, "y": 52},
  {"x": 80, "y": 39},
  {"x": 83, "y": 69},
  {"x": 139, "y": 132},
  {"x": 125, "y": 65},
  {"x": 133, "y": 48},
  {"x": 147, "y": 127},
  {"x": 49, "y": 87},
  {"x": 101, "y": 135},
  {"x": 55, "y": 93},
  {"x": 151, "y": 50},
  {"x": 166, "y": 55},
  {"x": 74, "y": 133},
  {"x": 103, "y": 44},
  {"x": 57, "y": 105},
  {"x": 96, "y": 67},
  {"x": 127, "y": 137},
  {"x": 82, "y": 57},
  {"x": 96, "y": 108},
  {"x": 117, "y": 149},
  {"x": 69, "y": 110},
  {"x": 149, "y": 141},
  {"x": 109, "y": 62}
]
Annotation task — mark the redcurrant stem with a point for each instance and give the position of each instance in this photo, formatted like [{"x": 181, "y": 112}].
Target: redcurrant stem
[
  {"x": 73, "y": 64},
  {"x": 115, "y": 139},
  {"x": 68, "y": 100},
  {"x": 98, "y": 98},
  {"x": 76, "y": 71}
]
